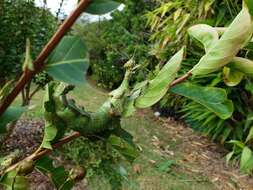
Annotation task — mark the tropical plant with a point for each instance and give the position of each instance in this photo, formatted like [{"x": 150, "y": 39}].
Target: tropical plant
[
  {"x": 231, "y": 81},
  {"x": 65, "y": 64}
]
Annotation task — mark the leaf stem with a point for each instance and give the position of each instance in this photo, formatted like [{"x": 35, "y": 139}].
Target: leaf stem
[{"x": 181, "y": 79}]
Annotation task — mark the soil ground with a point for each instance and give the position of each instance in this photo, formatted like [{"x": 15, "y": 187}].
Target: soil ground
[{"x": 173, "y": 156}]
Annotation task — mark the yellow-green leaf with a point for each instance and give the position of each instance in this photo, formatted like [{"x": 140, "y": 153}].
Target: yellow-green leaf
[
  {"x": 226, "y": 48},
  {"x": 246, "y": 163},
  {"x": 232, "y": 77},
  {"x": 158, "y": 87},
  {"x": 242, "y": 64},
  {"x": 205, "y": 34}
]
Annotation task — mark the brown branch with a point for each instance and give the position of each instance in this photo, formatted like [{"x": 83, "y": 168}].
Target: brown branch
[
  {"x": 181, "y": 79},
  {"x": 61, "y": 142},
  {"x": 39, "y": 62},
  {"x": 43, "y": 152}
]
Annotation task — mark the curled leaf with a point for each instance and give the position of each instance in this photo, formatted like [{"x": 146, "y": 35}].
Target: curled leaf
[
  {"x": 232, "y": 77},
  {"x": 205, "y": 34},
  {"x": 50, "y": 133},
  {"x": 226, "y": 48},
  {"x": 242, "y": 64}
]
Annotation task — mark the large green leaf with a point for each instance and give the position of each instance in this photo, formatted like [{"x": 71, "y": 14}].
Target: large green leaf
[
  {"x": 158, "y": 87},
  {"x": 100, "y": 7},
  {"x": 205, "y": 34},
  {"x": 242, "y": 64},
  {"x": 214, "y": 99},
  {"x": 246, "y": 163},
  {"x": 226, "y": 48},
  {"x": 68, "y": 62},
  {"x": 232, "y": 77},
  {"x": 71, "y": 72},
  {"x": 11, "y": 114}
]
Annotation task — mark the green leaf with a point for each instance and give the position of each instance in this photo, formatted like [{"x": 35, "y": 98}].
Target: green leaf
[
  {"x": 100, "y": 7},
  {"x": 125, "y": 148},
  {"x": 229, "y": 156},
  {"x": 226, "y": 48},
  {"x": 232, "y": 77},
  {"x": 242, "y": 64},
  {"x": 246, "y": 163},
  {"x": 250, "y": 135},
  {"x": 249, "y": 4},
  {"x": 128, "y": 108},
  {"x": 214, "y": 99},
  {"x": 12, "y": 181},
  {"x": 68, "y": 62},
  {"x": 205, "y": 34},
  {"x": 50, "y": 133},
  {"x": 239, "y": 144},
  {"x": 57, "y": 174},
  {"x": 68, "y": 185},
  {"x": 55, "y": 127},
  {"x": 71, "y": 72},
  {"x": 11, "y": 114},
  {"x": 158, "y": 87}
]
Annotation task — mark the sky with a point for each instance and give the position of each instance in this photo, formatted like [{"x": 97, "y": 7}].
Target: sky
[{"x": 68, "y": 6}]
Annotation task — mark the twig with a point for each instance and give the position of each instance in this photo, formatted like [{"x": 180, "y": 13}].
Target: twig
[
  {"x": 61, "y": 142},
  {"x": 34, "y": 92},
  {"x": 43, "y": 152},
  {"x": 39, "y": 62}
]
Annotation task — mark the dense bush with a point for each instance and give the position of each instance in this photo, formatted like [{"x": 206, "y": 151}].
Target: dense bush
[
  {"x": 113, "y": 42},
  {"x": 21, "y": 20}
]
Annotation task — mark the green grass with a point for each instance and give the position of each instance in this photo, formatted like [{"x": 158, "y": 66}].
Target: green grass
[{"x": 152, "y": 176}]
